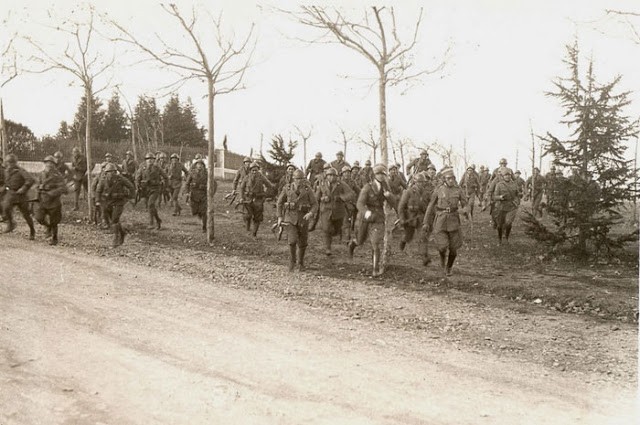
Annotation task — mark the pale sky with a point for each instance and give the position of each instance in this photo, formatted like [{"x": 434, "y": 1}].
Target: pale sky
[{"x": 504, "y": 56}]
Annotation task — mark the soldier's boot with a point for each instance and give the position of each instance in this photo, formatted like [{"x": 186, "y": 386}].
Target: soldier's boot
[
  {"x": 256, "y": 226},
  {"x": 301, "y": 251},
  {"x": 32, "y": 229},
  {"x": 403, "y": 244},
  {"x": 151, "y": 220},
  {"x": 123, "y": 233},
  {"x": 327, "y": 244},
  {"x": 158, "y": 221},
  {"x": 507, "y": 231},
  {"x": 247, "y": 223},
  {"x": 500, "y": 235},
  {"x": 376, "y": 263},
  {"x": 178, "y": 208},
  {"x": 443, "y": 258},
  {"x": 54, "y": 235},
  {"x": 292, "y": 257},
  {"x": 352, "y": 247},
  {"x": 116, "y": 235},
  {"x": 48, "y": 232},
  {"x": 450, "y": 260},
  {"x": 76, "y": 202},
  {"x": 204, "y": 224}
]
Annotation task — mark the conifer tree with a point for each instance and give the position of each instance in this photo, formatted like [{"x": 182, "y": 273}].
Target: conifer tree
[{"x": 586, "y": 205}]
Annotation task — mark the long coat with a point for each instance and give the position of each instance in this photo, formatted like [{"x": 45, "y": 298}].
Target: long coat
[
  {"x": 51, "y": 186},
  {"x": 293, "y": 203},
  {"x": 332, "y": 200}
]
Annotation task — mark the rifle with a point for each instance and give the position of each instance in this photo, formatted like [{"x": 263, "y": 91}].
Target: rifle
[{"x": 231, "y": 195}]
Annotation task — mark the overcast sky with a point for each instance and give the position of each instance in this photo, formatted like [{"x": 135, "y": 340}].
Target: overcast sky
[{"x": 504, "y": 56}]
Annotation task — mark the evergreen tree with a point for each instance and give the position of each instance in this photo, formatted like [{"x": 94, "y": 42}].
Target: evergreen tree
[
  {"x": 148, "y": 123},
  {"x": 172, "y": 125},
  {"x": 78, "y": 128},
  {"x": 20, "y": 139},
  {"x": 115, "y": 121},
  {"x": 585, "y": 206},
  {"x": 64, "y": 132},
  {"x": 193, "y": 134},
  {"x": 281, "y": 153}
]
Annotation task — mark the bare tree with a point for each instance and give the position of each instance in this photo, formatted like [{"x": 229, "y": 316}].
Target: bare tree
[
  {"x": 222, "y": 67},
  {"x": 132, "y": 123},
  {"x": 80, "y": 59},
  {"x": 304, "y": 136},
  {"x": 375, "y": 37},
  {"x": 631, "y": 19},
  {"x": 371, "y": 143},
  {"x": 345, "y": 140}
]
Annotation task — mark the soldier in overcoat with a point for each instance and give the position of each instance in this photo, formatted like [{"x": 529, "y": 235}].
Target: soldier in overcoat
[
  {"x": 411, "y": 210},
  {"x": 252, "y": 195},
  {"x": 114, "y": 190},
  {"x": 332, "y": 196},
  {"x": 51, "y": 186},
  {"x": 17, "y": 182}
]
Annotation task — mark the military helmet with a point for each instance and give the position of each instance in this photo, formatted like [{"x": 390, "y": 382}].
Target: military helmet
[
  {"x": 393, "y": 166},
  {"x": 553, "y": 168},
  {"x": 345, "y": 169},
  {"x": 291, "y": 165},
  {"x": 198, "y": 156},
  {"x": 424, "y": 152},
  {"x": 503, "y": 161},
  {"x": 129, "y": 153},
  {"x": 108, "y": 155},
  {"x": 331, "y": 171},
  {"x": 517, "y": 172},
  {"x": 298, "y": 174},
  {"x": 380, "y": 169},
  {"x": 175, "y": 155},
  {"x": 246, "y": 159},
  {"x": 356, "y": 164},
  {"x": 326, "y": 166},
  {"x": 11, "y": 159},
  {"x": 49, "y": 158},
  {"x": 75, "y": 150},
  {"x": 199, "y": 161},
  {"x": 448, "y": 172},
  {"x": 163, "y": 155},
  {"x": 481, "y": 167},
  {"x": 431, "y": 167},
  {"x": 58, "y": 154},
  {"x": 149, "y": 156},
  {"x": 469, "y": 168},
  {"x": 254, "y": 164},
  {"x": 340, "y": 153},
  {"x": 367, "y": 163},
  {"x": 110, "y": 167},
  {"x": 319, "y": 155},
  {"x": 420, "y": 177}
]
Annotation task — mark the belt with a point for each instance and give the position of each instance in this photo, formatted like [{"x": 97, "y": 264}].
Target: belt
[{"x": 447, "y": 210}]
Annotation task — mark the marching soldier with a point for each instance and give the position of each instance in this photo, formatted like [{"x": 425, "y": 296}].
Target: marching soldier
[
  {"x": 339, "y": 163},
  {"x": 411, "y": 210},
  {"x": 519, "y": 182},
  {"x": 396, "y": 183},
  {"x": 197, "y": 191},
  {"x": 252, "y": 194},
  {"x": 113, "y": 192},
  {"x": 315, "y": 168},
  {"x": 353, "y": 175},
  {"x": 506, "y": 197},
  {"x": 79, "y": 171},
  {"x": 483, "y": 183},
  {"x": 175, "y": 173},
  {"x": 419, "y": 164},
  {"x": 366, "y": 174},
  {"x": 287, "y": 178},
  {"x": 443, "y": 220},
  {"x": 60, "y": 165},
  {"x": 241, "y": 173},
  {"x": 534, "y": 189},
  {"x": 295, "y": 207},
  {"x": 332, "y": 196},
  {"x": 17, "y": 181},
  {"x": 151, "y": 179},
  {"x": 352, "y": 211},
  {"x": 470, "y": 183},
  {"x": 371, "y": 216},
  {"x": 51, "y": 186},
  {"x": 129, "y": 166}
]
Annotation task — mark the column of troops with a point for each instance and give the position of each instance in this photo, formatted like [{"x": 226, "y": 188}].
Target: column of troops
[{"x": 341, "y": 200}]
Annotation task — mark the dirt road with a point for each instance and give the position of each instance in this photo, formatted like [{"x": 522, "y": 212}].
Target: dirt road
[{"x": 91, "y": 340}]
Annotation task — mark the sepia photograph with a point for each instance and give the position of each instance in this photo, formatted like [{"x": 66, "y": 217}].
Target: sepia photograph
[{"x": 348, "y": 212}]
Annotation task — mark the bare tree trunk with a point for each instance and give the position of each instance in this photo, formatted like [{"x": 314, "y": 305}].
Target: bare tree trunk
[
  {"x": 210, "y": 179},
  {"x": 89, "y": 96},
  {"x": 382, "y": 89}
]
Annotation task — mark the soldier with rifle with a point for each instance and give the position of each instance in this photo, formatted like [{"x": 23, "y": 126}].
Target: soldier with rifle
[
  {"x": 534, "y": 190},
  {"x": 315, "y": 168},
  {"x": 51, "y": 186},
  {"x": 371, "y": 220},
  {"x": 113, "y": 192},
  {"x": 79, "y": 172},
  {"x": 295, "y": 206},
  {"x": 196, "y": 187},
  {"x": 129, "y": 167},
  {"x": 61, "y": 166},
  {"x": 351, "y": 210},
  {"x": 506, "y": 197},
  {"x": 287, "y": 178},
  {"x": 470, "y": 183},
  {"x": 17, "y": 182},
  {"x": 241, "y": 173},
  {"x": 151, "y": 180},
  {"x": 411, "y": 210},
  {"x": 365, "y": 175},
  {"x": 332, "y": 195},
  {"x": 419, "y": 164},
  {"x": 252, "y": 195},
  {"x": 483, "y": 184},
  {"x": 175, "y": 173},
  {"x": 339, "y": 162}
]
